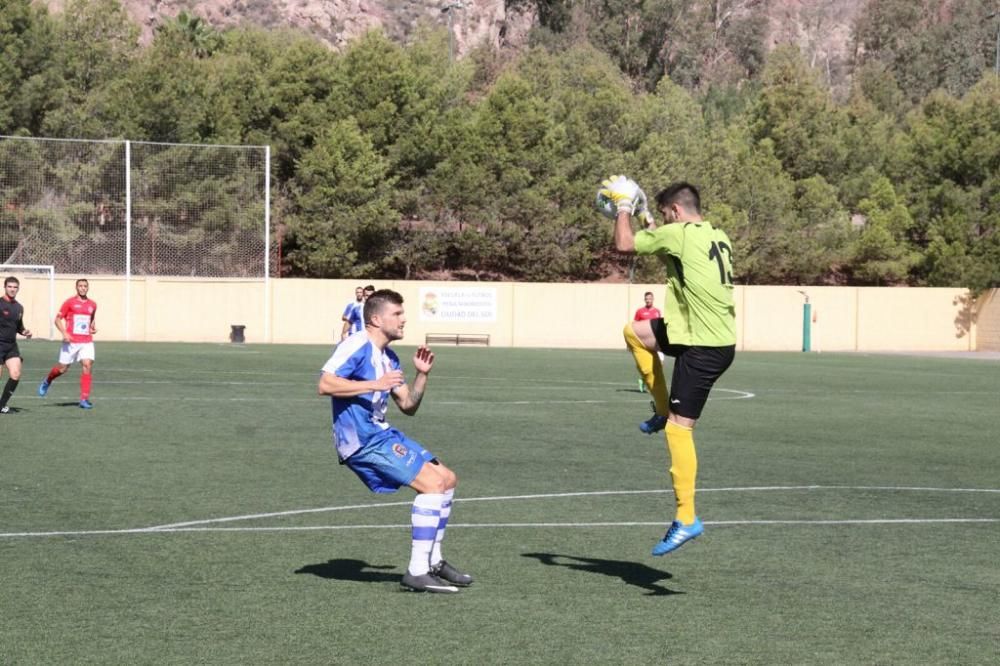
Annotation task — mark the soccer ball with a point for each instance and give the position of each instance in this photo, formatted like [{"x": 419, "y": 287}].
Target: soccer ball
[{"x": 605, "y": 206}]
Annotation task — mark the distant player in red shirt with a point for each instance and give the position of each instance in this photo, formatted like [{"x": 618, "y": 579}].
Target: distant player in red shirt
[
  {"x": 75, "y": 320},
  {"x": 642, "y": 314},
  {"x": 647, "y": 311}
]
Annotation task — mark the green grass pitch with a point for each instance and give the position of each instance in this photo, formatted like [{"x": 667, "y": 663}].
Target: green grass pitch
[{"x": 851, "y": 502}]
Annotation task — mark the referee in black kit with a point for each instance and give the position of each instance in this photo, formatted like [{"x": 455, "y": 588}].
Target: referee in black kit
[{"x": 11, "y": 323}]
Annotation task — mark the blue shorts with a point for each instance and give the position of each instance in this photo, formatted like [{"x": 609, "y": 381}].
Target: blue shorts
[{"x": 389, "y": 462}]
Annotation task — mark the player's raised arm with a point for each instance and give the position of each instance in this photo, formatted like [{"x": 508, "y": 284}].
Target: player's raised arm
[
  {"x": 408, "y": 398},
  {"x": 620, "y": 198}
]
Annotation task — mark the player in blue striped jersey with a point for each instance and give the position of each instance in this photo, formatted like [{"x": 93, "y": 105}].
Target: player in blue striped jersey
[
  {"x": 353, "y": 314},
  {"x": 360, "y": 377}
]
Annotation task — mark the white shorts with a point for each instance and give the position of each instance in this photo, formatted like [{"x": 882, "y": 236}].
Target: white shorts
[{"x": 73, "y": 352}]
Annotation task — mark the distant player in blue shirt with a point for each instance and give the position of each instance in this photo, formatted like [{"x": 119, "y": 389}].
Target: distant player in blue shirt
[
  {"x": 353, "y": 316},
  {"x": 360, "y": 376}
]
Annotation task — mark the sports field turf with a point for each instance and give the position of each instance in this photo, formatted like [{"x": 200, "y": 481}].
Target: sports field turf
[{"x": 197, "y": 515}]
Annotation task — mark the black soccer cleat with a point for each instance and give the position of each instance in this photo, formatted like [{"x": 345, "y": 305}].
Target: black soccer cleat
[
  {"x": 450, "y": 574},
  {"x": 426, "y": 583}
]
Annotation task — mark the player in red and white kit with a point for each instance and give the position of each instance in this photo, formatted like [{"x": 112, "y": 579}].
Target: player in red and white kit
[
  {"x": 642, "y": 314},
  {"x": 647, "y": 311},
  {"x": 75, "y": 321}
]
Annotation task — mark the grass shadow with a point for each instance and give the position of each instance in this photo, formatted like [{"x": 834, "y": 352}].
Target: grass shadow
[
  {"x": 631, "y": 573},
  {"x": 354, "y": 570}
]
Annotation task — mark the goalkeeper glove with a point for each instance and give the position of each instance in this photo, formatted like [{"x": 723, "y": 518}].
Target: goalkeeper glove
[{"x": 625, "y": 193}]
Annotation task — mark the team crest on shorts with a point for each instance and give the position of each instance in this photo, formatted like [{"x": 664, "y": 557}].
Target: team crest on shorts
[{"x": 399, "y": 450}]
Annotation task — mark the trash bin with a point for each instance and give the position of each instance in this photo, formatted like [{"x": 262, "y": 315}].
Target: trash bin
[{"x": 236, "y": 334}]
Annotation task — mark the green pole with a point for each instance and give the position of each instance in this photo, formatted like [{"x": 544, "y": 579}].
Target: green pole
[{"x": 806, "y": 326}]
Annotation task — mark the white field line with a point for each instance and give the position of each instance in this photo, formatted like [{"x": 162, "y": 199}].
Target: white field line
[
  {"x": 738, "y": 395},
  {"x": 338, "y": 528},
  {"x": 203, "y": 525}
]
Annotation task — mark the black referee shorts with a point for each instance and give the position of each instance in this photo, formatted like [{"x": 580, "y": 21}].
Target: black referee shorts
[
  {"x": 9, "y": 350},
  {"x": 696, "y": 369}
]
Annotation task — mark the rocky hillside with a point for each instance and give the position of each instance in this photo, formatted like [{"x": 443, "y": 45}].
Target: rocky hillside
[
  {"x": 338, "y": 21},
  {"x": 820, "y": 27}
]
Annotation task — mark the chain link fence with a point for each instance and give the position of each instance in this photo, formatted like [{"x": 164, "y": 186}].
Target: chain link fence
[{"x": 135, "y": 208}]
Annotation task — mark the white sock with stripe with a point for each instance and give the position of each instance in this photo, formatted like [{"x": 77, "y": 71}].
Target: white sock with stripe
[
  {"x": 424, "y": 518},
  {"x": 442, "y": 524}
]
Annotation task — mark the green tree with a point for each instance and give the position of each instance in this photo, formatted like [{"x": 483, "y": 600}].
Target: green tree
[
  {"x": 25, "y": 66},
  {"x": 287, "y": 94},
  {"x": 797, "y": 114},
  {"x": 952, "y": 149},
  {"x": 195, "y": 33},
  {"x": 927, "y": 44},
  {"x": 872, "y": 141},
  {"x": 94, "y": 44},
  {"x": 817, "y": 241},
  {"x": 881, "y": 253},
  {"x": 343, "y": 223}
]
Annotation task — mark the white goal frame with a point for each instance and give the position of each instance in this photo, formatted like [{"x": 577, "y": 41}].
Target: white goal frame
[{"x": 51, "y": 270}]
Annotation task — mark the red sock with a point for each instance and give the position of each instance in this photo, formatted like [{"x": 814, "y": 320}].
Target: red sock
[
  {"x": 53, "y": 373},
  {"x": 85, "y": 385}
]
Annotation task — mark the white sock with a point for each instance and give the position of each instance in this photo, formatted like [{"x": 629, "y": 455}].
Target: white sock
[
  {"x": 424, "y": 517},
  {"x": 442, "y": 524}
]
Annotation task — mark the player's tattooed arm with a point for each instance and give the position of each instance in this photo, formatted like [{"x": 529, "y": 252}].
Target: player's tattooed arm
[
  {"x": 408, "y": 398},
  {"x": 415, "y": 398}
]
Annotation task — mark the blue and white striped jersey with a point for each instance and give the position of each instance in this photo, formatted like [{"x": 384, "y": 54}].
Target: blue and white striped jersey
[
  {"x": 355, "y": 315},
  {"x": 359, "y": 419}
]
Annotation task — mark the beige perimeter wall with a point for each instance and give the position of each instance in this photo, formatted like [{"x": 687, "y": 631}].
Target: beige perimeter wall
[{"x": 521, "y": 314}]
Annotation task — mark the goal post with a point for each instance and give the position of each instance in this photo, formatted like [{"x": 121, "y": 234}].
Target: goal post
[{"x": 45, "y": 295}]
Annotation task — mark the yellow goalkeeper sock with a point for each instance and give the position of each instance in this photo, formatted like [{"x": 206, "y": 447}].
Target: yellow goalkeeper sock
[
  {"x": 650, "y": 369},
  {"x": 683, "y": 469}
]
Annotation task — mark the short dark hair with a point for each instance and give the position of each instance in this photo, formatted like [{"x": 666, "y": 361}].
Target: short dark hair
[
  {"x": 11, "y": 280},
  {"x": 370, "y": 287},
  {"x": 79, "y": 280},
  {"x": 648, "y": 293},
  {"x": 377, "y": 302},
  {"x": 683, "y": 194}
]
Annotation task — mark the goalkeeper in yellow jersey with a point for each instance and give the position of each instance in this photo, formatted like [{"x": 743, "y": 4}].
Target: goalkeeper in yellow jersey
[{"x": 698, "y": 327}]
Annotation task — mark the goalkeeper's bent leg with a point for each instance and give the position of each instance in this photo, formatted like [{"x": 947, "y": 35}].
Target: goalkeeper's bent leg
[
  {"x": 683, "y": 469},
  {"x": 650, "y": 369}
]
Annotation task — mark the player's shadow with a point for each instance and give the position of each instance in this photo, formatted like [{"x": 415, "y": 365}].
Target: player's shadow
[
  {"x": 356, "y": 570},
  {"x": 632, "y": 573},
  {"x": 62, "y": 404}
]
